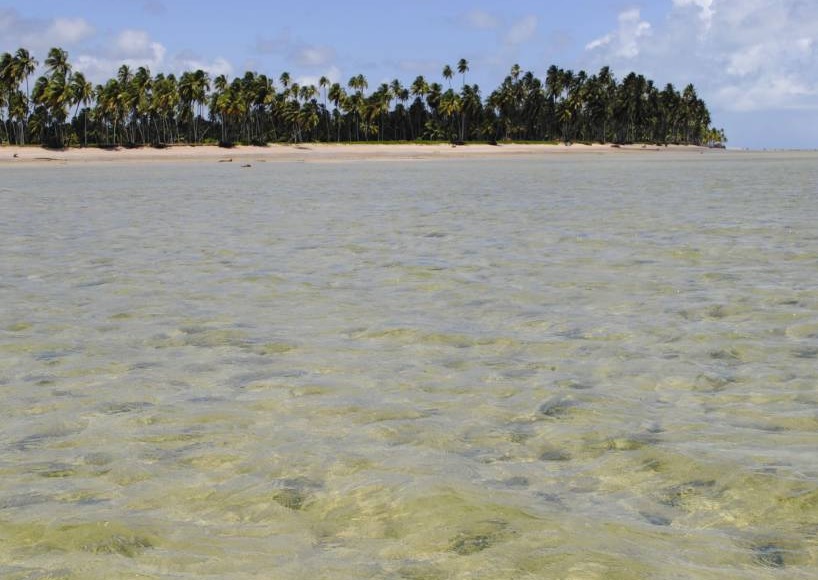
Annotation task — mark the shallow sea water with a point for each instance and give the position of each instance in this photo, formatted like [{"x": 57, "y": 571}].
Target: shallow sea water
[{"x": 585, "y": 367}]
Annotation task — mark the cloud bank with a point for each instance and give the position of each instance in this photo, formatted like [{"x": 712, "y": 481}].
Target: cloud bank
[{"x": 747, "y": 56}]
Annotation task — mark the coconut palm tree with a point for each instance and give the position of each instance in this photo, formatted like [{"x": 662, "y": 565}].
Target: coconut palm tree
[
  {"x": 82, "y": 92},
  {"x": 193, "y": 87},
  {"x": 337, "y": 95},
  {"x": 285, "y": 80},
  {"x": 358, "y": 84},
  {"x": 5, "y": 88},
  {"x": 450, "y": 107},
  {"x": 164, "y": 102},
  {"x": 463, "y": 68},
  {"x": 323, "y": 84},
  {"x": 23, "y": 66},
  {"x": 57, "y": 62},
  {"x": 134, "y": 107},
  {"x": 8, "y": 86},
  {"x": 448, "y": 74},
  {"x": 52, "y": 92},
  {"x": 14, "y": 71},
  {"x": 419, "y": 89}
]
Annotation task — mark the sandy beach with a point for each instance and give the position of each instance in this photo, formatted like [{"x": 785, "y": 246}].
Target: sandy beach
[{"x": 312, "y": 152}]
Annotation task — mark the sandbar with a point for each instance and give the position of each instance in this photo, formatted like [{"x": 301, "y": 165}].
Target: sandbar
[{"x": 313, "y": 152}]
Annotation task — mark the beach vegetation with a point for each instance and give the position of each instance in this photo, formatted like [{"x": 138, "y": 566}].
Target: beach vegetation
[{"x": 137, "y": 107}]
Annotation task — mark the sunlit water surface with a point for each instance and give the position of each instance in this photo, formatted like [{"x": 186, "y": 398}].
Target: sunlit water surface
[{"x": 595, "y": 367}]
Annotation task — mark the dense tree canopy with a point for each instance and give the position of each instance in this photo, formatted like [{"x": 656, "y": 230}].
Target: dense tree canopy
[{"x": 137, "y": 108}]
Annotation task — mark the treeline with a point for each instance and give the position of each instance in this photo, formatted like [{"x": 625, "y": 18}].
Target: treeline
[{"x": 61, "y": 108}]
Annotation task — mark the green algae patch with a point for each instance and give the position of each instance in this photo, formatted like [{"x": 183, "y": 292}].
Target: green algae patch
[
  {"x": 94, "y": 537},
  {"x": 407, "y": 336},
  {"x": 478, "y": 537},
  {"x": 202, "y": 337},
  {"x": 271, "y": 348},
  {"x": 291, "y": 498},
  {"x": 440, "y": 523}
]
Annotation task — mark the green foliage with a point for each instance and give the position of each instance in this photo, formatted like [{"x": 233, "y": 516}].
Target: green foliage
[{"x": 137, "y": 108}]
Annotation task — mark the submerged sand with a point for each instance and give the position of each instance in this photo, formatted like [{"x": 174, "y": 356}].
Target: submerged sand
[{"x": 308, "y": 152}]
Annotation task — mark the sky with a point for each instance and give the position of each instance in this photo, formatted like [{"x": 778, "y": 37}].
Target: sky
[{"x": 754, "y": 62}]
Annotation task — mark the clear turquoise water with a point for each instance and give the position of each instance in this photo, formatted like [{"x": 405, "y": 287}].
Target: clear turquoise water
[{"x": 585, "y": 367}]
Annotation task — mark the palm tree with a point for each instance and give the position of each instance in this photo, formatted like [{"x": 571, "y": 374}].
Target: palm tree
[
  {"x": 5, "y": 87},
  {"x": 515, "y": 71},
  {"x": 24, "y": 65},
  {"x": 434, "y": 129},
  {"x": 420, "y": 88},
  {"x": 110, "y": 108},
  {"x": 164, "y": 101},
  {"x": 14, "y": 71},
  {"x": 463, "y": 68},
  {"x": 82, "y": 92},
  {"x": 140, "y": 91},
  {"x": 337, "y": 95},
  {"x": 448, "y": 74},
  {"x": 323, "y": 84},
  {"x": 450, "y": 107},
  {"x": 52, "y": 92},
  {"x": 193, "y": 87},
  {"x": 471, "y": 108},
  {"x": 400, "y": 94},
  {"x": 263, "y": 95},
  {"x": 359, "y": 85},
  {"x": 308, "y": 116},
  {"x": 57, "y": 62},
  {"x": 201, "y": 84},
  {"x": 8, "y": 86},
  {"x": 218, "y": 103},
  {"x": 134, "y": 107},
  {"x": 381, "y": 100},
  {"x": 18, "y": 111},
  {"x": 284, "y": 79}
]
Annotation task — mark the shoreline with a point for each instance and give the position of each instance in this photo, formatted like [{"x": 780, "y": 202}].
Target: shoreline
[{"x": 318, "y": 152}]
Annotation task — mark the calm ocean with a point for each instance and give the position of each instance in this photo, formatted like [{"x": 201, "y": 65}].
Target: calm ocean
[{"x": 575, "y": 367}]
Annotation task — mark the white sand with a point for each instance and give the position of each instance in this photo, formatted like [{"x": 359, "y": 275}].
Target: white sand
[{"x": 309, "y": 152}]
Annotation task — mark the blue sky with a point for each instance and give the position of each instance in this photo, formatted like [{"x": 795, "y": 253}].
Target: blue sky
[{"x": 755, "y": 62}]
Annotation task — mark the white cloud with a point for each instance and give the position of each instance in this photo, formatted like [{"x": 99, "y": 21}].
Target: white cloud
[
  {"x": 599, "y": 42},
  {"x": 137, "y": 43},
  {"x": 522, "y": 30},
  {"x": 215, "y": 67},
  {"x": 97, "y": 55},
  {"x": 135, "y": 48},
  {"x": 312, "y": 56},
  {"x": 773, "y": 92},
  {"x": 748, "y": 56},
  {"x": 705, "y": 10},
  {"x": 482, "y": 20},
  {"x": 38, "y": 35},
  {"x": 625, "y": 41},
  {"x": 333, "y": 73},
  {"x": 746, "y": 61},
  {"x": 68, "y": 31}
]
